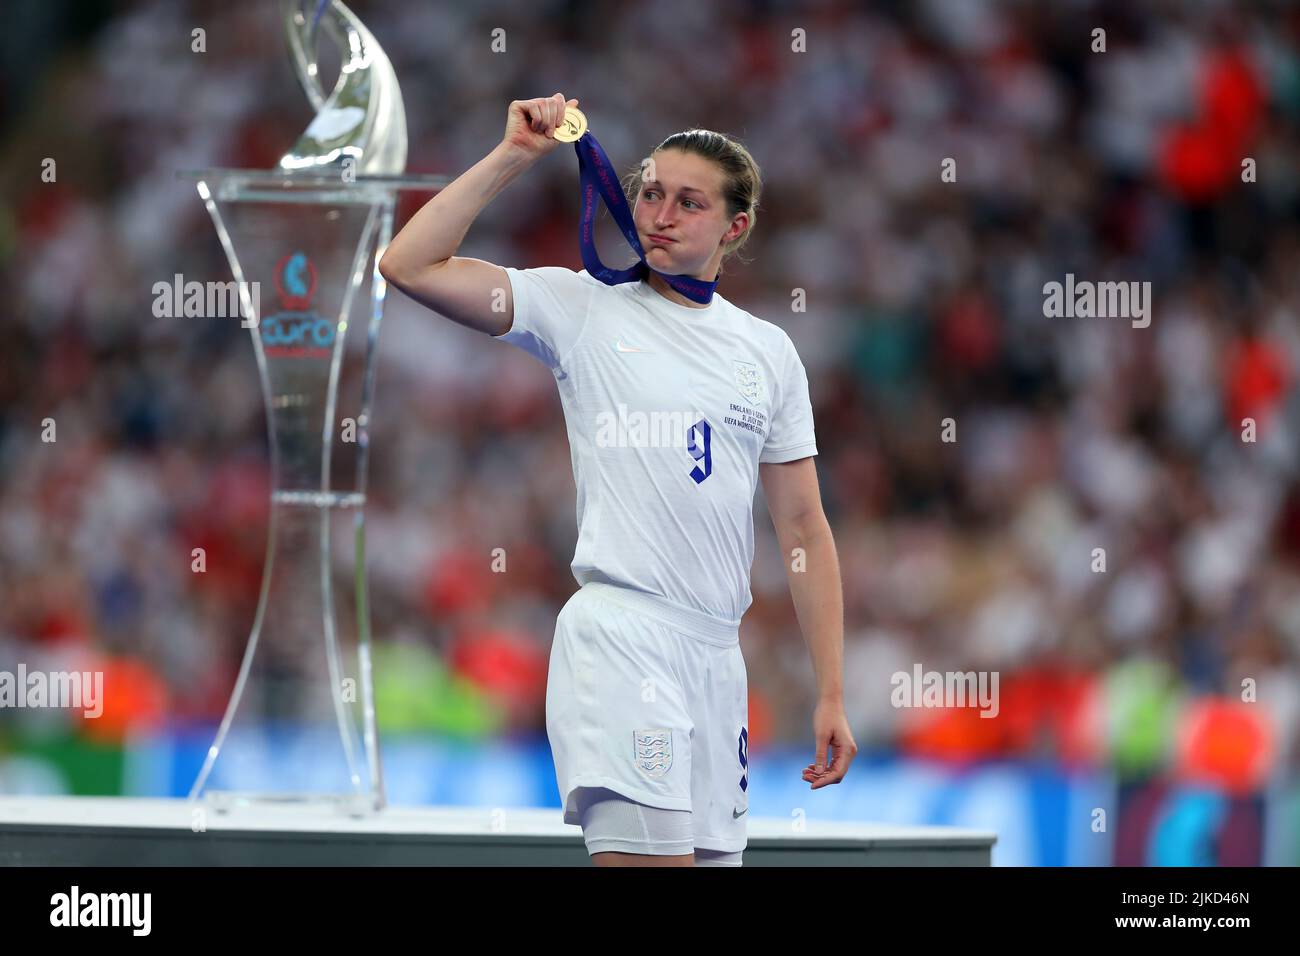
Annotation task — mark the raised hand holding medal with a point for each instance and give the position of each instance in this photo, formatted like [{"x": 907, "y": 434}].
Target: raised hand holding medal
[{"x": 532, "y": 125}]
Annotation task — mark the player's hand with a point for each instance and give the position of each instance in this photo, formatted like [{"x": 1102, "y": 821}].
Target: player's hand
[
  {"x": 830, "y": 730},
  {"x": 530, "y": 125}
]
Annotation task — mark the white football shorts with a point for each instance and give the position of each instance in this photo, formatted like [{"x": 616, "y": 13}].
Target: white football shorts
[{"x": 649, "y": 699}]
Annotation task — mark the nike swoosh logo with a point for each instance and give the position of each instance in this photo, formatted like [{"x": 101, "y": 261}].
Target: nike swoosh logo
[
  {"x": 628, "y": 348},
  {"x": 737, "y": 816}
]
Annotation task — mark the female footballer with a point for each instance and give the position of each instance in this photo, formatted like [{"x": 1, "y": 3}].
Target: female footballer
[{"x": 675, "y": 408}]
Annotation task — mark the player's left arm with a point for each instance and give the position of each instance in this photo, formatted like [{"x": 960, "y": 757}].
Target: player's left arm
[{"x": 813, "y": 569}]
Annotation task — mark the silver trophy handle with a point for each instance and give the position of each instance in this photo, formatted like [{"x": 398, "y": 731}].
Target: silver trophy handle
[{"x": 363, "y": 119}]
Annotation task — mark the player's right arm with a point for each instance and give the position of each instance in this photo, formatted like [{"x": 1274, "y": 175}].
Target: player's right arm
[{"x": 421, "y": 258}]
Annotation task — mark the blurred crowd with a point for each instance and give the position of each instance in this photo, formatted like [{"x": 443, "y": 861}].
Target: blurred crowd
[{"x": 1099, "y": 531}]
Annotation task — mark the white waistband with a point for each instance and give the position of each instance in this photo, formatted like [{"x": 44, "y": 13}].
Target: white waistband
[{"x": 692, "y": 623}]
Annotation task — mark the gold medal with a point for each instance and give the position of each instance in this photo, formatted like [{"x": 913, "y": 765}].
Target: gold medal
[{"x": 574, "y": 125}]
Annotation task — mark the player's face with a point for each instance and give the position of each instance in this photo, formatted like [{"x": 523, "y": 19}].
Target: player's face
[{"x": 681, "y": 201}]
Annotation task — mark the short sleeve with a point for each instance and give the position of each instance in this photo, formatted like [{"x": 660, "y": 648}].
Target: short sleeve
[
  {"x": 551, "y": 306},
  {"x": 791, "y": 436}
]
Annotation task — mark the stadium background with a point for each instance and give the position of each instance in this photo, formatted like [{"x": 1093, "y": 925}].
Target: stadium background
[{"x": 1120, "y": 690}]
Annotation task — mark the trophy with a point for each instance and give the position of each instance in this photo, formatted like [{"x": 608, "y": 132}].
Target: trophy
[{"x": 300, "y": 725}]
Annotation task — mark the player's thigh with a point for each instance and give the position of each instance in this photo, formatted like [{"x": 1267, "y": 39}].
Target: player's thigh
[
  {"x": 619, "y": 831},
  {"x": 705, "y": 857},
  {"x": 610, "y": 858}
]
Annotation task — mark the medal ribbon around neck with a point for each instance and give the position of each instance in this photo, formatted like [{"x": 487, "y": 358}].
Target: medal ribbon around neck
[{"x": 599, "y": 180}]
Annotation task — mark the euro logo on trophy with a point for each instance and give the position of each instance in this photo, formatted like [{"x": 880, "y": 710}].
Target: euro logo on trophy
[{"x": 300, "y": 726}]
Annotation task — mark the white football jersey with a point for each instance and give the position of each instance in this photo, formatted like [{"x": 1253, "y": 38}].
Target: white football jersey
[{"x": 669, "y": 409}]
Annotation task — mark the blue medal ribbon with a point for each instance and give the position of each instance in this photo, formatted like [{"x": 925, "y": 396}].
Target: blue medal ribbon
[{"x": 600, "y": 181}]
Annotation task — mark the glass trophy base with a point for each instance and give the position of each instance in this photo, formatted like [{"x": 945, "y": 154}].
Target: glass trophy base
[{"x": 225, "y": 802}]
